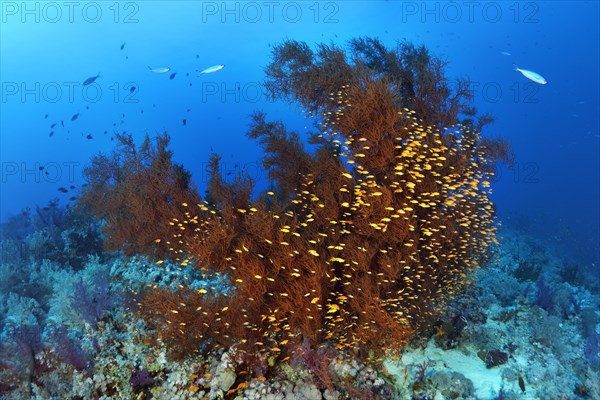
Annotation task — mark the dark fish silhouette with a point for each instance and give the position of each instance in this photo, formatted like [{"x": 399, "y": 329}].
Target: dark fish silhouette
[
  {"x": 91, "y": 80},
  {"x": 62, "y": 189},
  {"x": 51, "y": 133},
  {"x": 45, "y": 116},
  {"x": 184, "y": 122},
  {"x": 172, "y": 75},
  {"x": 87, "y": 107},
  {"x": 521, "y": 384},
  {"x": 53, "y": 125},
  {"x": 122, "y": 46},
  {"x": 73, "y": 198},
  {"x": 41, "y": 168},
  {"x": 132, "y": 89},
  {"x": 89, "y": 136},
  {"x": 72, "y": 187},
  {"x": 74, "y": 117},
  {"x": 62, "y": 123}
]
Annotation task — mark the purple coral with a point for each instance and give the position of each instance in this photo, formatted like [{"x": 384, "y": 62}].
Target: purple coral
[
  {"x": 92, "y": 302},
  {"x": 69, "y": 350},
  {"x": 592, "y": 349},
  {"x": 545, "y": 297},
  {"x": 421, "y": 370}
]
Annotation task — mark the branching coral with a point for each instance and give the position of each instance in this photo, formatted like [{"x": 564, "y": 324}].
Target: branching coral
[
  {"x": 361, "y": 244},
  {"x": 135, "y": 190}
]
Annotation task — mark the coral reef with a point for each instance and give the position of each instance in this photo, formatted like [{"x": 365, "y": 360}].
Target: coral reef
[
  {"x": 354, "y": 275},
  {"x": 359, "y": 245},
  {"x": 135, "y": 191}
]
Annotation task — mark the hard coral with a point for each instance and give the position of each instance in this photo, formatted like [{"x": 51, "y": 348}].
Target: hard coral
[{"x": 360, "y": 244}]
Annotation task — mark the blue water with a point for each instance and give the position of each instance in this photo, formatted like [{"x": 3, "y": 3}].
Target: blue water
[{"x": 48, "y": 49}]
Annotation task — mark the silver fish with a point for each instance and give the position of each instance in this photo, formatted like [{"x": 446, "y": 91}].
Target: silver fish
[
  {"x": 534, "y": 76},
  {"x": 212, "y": 69},
  {"x": 159, "y": 70}
]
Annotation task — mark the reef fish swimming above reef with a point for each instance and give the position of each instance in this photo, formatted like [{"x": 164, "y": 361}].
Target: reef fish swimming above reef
[
  {"x": 91, "y": 80},
  {"x": 534, "y": 76},
  {"x": 159, "y": 70},
  {"x": 212, "y": 69}
]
